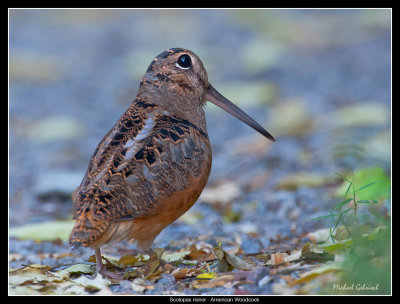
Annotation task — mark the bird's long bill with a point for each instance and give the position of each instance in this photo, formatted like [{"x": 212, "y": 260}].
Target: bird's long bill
[{"x": 216, "y": 98}]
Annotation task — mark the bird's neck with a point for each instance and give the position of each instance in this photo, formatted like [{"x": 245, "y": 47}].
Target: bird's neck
[{"x": 168, "y": 101}]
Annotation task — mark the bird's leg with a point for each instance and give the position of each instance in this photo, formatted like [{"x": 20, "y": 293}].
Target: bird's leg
[
  {"x": 156, "y": 254},
  {"x": 100, "y": 268}
]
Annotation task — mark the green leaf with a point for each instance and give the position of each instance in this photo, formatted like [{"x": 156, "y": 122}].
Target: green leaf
[
  {"x": 337, "y": 246},
  {"x": 372, "y": 183}
]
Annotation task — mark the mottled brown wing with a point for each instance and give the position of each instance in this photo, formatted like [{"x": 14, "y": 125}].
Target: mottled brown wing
[
  {"x": 135, "y": 166},
  {"x": 98, "y": 179}
]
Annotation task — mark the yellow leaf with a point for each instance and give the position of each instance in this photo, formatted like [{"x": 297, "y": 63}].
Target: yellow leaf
[
  {"x": 210, "y": 275},
  {"x": 219, "y": 281}
]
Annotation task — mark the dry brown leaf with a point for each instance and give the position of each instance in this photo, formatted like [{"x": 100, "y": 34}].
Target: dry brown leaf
[
  {"x": 179, "y": 273},
  {"x": 201, "y": 251},
  {"x": 277, "y": 258},
  {"x": 228, "y": 261},
  {"x": 155, "y": 275},
  {"x": 131, "y": 260},
  {"x": 154, "y": 261},
  {"x": 168, "y": 268},
  {"x": 237, "y": 262}
]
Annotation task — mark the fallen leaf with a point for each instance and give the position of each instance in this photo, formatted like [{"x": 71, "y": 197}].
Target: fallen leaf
[
  {"x": 228, "y": 261},
  {"x": 219, "y": 281},
  {"x": 277, "y": 258},
  {"x": 174, "y": 256},
  {"x": 44, "y": 231},
  {"x": 295, "y": 255},
  {"x": 339, "y": 245},
  {"x": 209, "y": 275},
  {"x": 223, "y": 265},
  {"x": 31, "y": 274},
  {"x": 168, "y": 268},
  {"x": 111, "y": 262},
  {"x": 154, "y": 261},
  {"x": 73, "y": 270},
  {"x": 98, "y": 283},
  {"x": 129, "y": 260},
  {"x": 155, "y": 274},
  {"x": 133, "y": 274},
  {"x": 179, "y": 273},
  {"x": 23, "y": 290},
  {"x": 237, "y": 262},
  {"x": 309, "y": 249},
  {"x": 69, "y": 288},
  {"x": 201, "y": 251},
  {"x": 188, "y": 262}
]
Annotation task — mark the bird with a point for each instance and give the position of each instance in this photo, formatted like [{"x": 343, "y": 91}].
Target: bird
[{"x": 153, "y": 164}]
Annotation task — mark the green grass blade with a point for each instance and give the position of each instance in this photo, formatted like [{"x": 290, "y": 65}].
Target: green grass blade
[{"x": 342, "y": 203}]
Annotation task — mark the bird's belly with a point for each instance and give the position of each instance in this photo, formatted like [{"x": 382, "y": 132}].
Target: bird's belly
[{"x": 145, "y": 230}]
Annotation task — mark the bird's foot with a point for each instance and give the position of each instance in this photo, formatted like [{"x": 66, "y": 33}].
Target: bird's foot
[
  {"x": 100, "y": 268},
  {"x": 109, "y": 274}
]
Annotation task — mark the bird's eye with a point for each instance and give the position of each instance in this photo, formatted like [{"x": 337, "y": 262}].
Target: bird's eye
[{"x": 184, "y": 62}]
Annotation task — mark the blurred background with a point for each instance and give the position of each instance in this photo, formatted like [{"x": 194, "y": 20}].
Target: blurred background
[{"x": 318, "y": 80}]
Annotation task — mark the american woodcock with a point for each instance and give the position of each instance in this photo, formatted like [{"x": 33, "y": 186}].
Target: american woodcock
[{"x": 151, "y": 167}]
